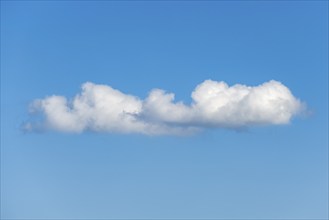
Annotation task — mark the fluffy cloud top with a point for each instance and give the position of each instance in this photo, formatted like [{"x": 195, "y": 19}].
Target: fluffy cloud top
[{"x": 101, "y": 108}]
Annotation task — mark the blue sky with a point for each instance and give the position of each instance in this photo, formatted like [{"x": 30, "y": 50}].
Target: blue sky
[{"x": 274, "y": 171}]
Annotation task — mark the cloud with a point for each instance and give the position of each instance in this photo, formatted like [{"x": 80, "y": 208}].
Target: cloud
[{"x": 100, "y": 108}]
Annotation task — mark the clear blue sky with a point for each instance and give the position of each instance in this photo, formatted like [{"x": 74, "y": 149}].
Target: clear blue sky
[{"x": 266, "y": 172}]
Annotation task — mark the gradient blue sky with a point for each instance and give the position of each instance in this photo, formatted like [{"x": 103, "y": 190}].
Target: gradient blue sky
[{"x": 266, "y": 172}]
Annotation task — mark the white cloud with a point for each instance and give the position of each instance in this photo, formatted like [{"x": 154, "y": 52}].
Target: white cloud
[{"x": 101, "y": 108}]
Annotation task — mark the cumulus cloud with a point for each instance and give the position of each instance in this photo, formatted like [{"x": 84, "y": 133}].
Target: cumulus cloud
[{"x": 101, "y": 108}]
